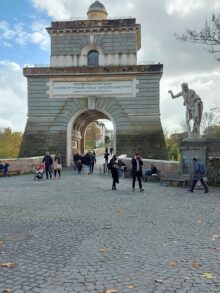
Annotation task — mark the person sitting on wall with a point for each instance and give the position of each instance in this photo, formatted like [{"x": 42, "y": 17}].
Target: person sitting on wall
[
  {"x": 4, "y": 168},
  {"x": 153, "y": 171},
  {"x": 1, "y": 167}
]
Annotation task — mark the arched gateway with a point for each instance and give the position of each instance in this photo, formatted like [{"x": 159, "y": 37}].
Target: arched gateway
[{"x": 93, "y": 74}]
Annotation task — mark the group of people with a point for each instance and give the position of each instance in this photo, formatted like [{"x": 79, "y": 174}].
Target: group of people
[
  {"x": 52, "y": 166},
  {"x": 84, "y": 162},
  {"x": 4, "y": 168},
  {"x": 115, "y": 165},
  {"x": 137, "y": 172}
]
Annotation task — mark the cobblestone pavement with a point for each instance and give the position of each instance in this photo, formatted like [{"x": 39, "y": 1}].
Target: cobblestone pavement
[{"x": 77, "y": 235}]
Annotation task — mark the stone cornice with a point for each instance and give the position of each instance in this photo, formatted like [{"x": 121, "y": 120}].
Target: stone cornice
[
  {"x": 95, "y": 27},
  {"x": 93, "y": 24},
  {"x": 153, "y": 69}
]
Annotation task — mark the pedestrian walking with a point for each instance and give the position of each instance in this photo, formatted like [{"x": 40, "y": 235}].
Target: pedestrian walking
[
  {"x": 198, "y": 174},
  {"x": 92, "y": 162},
  {"x": 48, "y": 161},
  {"x": 57, "y": 166},
  {"x": 87, "y": 163},
  {"x": 136, "y": 171},
  {"x": 111, "y": 151},
  {"x": 113, "y": 166},
  {"x": 79, "y": 166},
  {"x": 76, "y": 158},
  {"x": 106, "y": 155}
]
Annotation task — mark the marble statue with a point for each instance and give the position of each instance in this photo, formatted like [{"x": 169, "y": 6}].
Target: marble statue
[{"x": 194, "y": 109}]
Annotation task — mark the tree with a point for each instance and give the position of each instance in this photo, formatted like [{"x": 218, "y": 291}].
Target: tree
[
  {"x": 212, "y": 131},
  {"x": 10, "y": 143},
  {"x": 93, "y": 134},
  {"x": 208, "y": 119},
  {"x": 209, "y": 35},
  {"x": 172, "y": 143}
]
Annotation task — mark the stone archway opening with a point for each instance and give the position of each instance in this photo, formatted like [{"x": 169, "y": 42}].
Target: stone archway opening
[{"x": 78, "y": 128}]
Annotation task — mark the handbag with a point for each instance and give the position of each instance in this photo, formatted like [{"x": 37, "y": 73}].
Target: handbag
[{"x": 59, "y": 166}]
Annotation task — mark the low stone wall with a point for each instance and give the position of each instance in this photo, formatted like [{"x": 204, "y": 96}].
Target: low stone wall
[
  {"x": 25, "y": 165},
  {"x": 165, "y": 167},
  {"x": 29, "y": 165},
  {"x": 99, "y": 151}
]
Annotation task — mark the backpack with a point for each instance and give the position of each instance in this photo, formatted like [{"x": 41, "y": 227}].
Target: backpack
[{"x": 201, "y": 168}]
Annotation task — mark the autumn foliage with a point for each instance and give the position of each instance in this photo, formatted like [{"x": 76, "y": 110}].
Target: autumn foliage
[{"x": 9, "y": 143}]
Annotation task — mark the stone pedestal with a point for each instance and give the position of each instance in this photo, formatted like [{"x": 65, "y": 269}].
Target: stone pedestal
[
  {"x": 190, "y": 149},
  {"x": 202, "y": 149}
]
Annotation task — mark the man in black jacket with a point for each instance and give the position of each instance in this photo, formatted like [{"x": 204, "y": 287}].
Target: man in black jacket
[
  {"x": 76, "y": 158},
  {"x": 87, "y": 162},
  {"x": 48, "y": 161},
  {"x": 136, "y": 171}
]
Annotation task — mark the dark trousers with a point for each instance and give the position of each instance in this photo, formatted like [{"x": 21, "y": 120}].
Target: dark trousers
[
  {"x": 203, "y": 183},
  {"x": 91, "y": 167},
  {"x": 48, "y": 171},
  {"x": 114, "y": 184},
  {"x": 56, "y": 171},
  {"x": 137, "y": 175}
]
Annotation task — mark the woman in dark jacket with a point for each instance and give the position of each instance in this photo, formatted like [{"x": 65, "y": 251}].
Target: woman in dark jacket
[
  {"x": 57, "y": 165},
  {"x": 114, "y": 170},
  {"x": 136, "y": 171}
]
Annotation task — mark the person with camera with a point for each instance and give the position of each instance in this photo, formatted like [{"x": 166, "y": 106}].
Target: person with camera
[
  {"x": 136, "y": 171},
  {"x": 113, "y": 166}
]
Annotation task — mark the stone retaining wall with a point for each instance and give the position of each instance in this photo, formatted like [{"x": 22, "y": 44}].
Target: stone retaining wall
[
  {"x": 165, "y": 167},
  {"x": 25, "y": 165},
  {"x": 29, "y": 165}
]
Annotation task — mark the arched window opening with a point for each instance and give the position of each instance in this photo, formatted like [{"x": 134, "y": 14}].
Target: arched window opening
[{"x": 93, "y": 58}]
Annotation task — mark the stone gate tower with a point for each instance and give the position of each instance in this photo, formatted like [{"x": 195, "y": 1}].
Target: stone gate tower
[{"x": 93, "y": 74}]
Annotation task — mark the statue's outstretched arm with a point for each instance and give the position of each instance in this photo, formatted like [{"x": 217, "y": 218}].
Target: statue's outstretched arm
[{"x": 175, "y": 96}]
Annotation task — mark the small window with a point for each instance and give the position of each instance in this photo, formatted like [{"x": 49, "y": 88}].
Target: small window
[{"x": 93, "y": 58}]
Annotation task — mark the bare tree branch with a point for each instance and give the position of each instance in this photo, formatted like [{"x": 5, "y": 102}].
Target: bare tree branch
[{"x": 208, "y": 35}]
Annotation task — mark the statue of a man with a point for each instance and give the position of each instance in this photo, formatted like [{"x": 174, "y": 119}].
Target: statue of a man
[{"x": 194, "y": 108}]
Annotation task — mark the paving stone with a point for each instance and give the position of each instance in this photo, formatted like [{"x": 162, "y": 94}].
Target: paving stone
[{"x": 77, "y": 235}]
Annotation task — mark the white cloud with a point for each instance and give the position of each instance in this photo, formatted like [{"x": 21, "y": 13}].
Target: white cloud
[
  {"x": 183, "y": 7},
  {"x": 61, "y": 9},
  {"x": 13, "y": 96},
  {"x": 159, "y": 19},
  {"x": 16, "y": 33}
]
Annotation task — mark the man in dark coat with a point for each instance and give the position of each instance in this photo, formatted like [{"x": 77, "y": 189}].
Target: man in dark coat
[
  {"x": 48, "y": 161},
  {"x": 87, "y": 162},
  {"x": 92, "y": 162},
  {"x": 198, "y": 174},
  {"x": 136, "y": 171},
  {"x": 76, "y": 158},
  {"x": 113, "y": 166},
  {"x": 106, "y": 155}
]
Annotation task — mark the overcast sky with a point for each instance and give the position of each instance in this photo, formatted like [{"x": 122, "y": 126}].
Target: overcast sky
[{"x": 24, "y": 40}]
